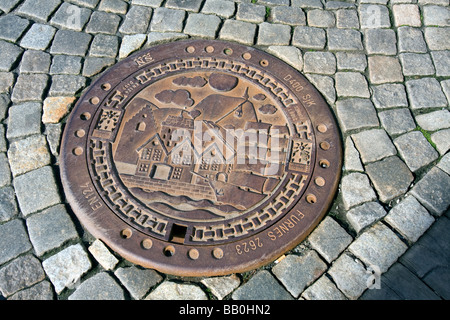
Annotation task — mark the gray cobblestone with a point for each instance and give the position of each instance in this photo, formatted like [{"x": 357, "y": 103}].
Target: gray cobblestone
[
  {"x": 288, "y": 15},
  {"x": 373, "y": 145},
  {"x": 273, "y": 34},
  {"x": 71, "y": 17},
  {"x": 9, "y": 33},
  {"x": 415, "y": 150},
  {"x": 103, "y": 22},
  {"x": 28, "y": 154},
  {"x": 63, "y": 64},
  {"x": 148, "y": 3},
  {"x": 154, "y": 38},
  {"x": 114, "y": 6},
  {"x": 390, "y": 177},
  {"x": 409, "y": 218},
  {"x": 351, "y": 61},
  {"x": 411, "y": 40},
  {"x": 131, "y": 43},
  {"x": 356, "y": 189},
  {"x": 397, "y": 121},
  {"x": 289, "y": 54},
  {"x": 351, "y": 84},
  {"x": 365, "y": 215},
  {"x": 14, "y": 240},
  {"x": 383, "y": 69},
  {"x": 29, "y": 87},
  {"x": 347, "y": 19},
  {"x": 415, "y": 64},
  {"x": 202, "y": 25},
  {"x": 442, "y": 140},
  {"x": 321, "y": 18},
  {"x": 425, "y": 93},
  {"x": 262, "y": 286},
  {"x": 251, "y": 12},
  {"x": 434, "y": 121},
  {"x": 320, "y": 62},
  {"x": 137, "y": 13},
  {"x": 8, "y": 206},
  {"x": 440, "y": 59},
  {"x": 86, "y": 3},
  {"x": 309, "y": 38},
  {"x": 38, "y": 10},
  {"x": 40, "y": 291},
  {"x": 323, "y": 289},
  {"x": 47, "y": 236},
  {"x": 380, "y": 41},
  {"x": 10, "y": 55},
  {"x": 238, "y": 31},
  {"x": 436, "y": 16},
  {"x": 38, "y": 37},
  {"x": 6, "y": 81},
  {"x": 138, "y": 281},
  {"x": 66, "y": 267},
  {"x": 297, "y": 272},
  {"x": 66, "y": 85},
  {"x": 344, "y": 40},
  {"x": 94, "y": 65},
  {"x": 222, "y": 286},
  {"x": 169, "y": 290},
  {"x": 104, "y": 46},
  {"x": 35, "y": 62},
  {"x": 224, "y": 9},
  {"x": 167, "y": 20},
  {"x": 188, "y": 5},
  {"x": 389, "y": 95},
  {"x": 325, "y": 85},
  {"x": 8, "y": 5},
  {"x": 24, "y": 119},
  {"x": 21, "y": 273},
  {"x": 36, "y": 190},
  {"x": 373, "y": 16},
  {"x": 5, "y": 172},
  {"x": 436, "y": 38},
  {"x": 275, "y": 2},
  {"x": 315, "y": 4},
  {"x": 64, "y": 39},
  {"x": 356, "y": 113},
  {"x": 352, "y": 162}
]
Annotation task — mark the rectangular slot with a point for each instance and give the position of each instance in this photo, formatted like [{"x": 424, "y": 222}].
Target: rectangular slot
[{"x": 177, "y": 233}]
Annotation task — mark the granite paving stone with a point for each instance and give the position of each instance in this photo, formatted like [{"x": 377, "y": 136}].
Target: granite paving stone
[
  {"x": 397, "y": 121},
  {"x": 319, "y": 62},
  {"x": 47, "y": 236},
  {"x": 28, "y": 154},
  {"x": 239, "y": 31},
  {"x": 380, "y": 41},
  {"x": 64, "y": 40},
  {"x": 222, "y": 286},
  {"x": 333, "y": 5},
  {"x": 442, "y": 140},
  {"x": 36, "y": 190},
  {"x": 389, "y": 96},
  {"x": 323, "y": 289},
  {"x": 41, "y": 291},
  {"x": 104, "y": 46},
  {"x": 273, "y": 34},
  {"x": 94, "y": 65},
  {"x": 148, "y": 3},
  {"x": 14, "y": 240},
  {"x": 347, "y": 19},
  {"x": 202, "y": 25},
  {"x": 66, "y": 85},
  {"x": 4, "y": 104},
  {"x": 351, "y": 61},
  {"x": 436, "y": 16},
  {"x": 6, "y": 81},
  {"x": 188, "y": 5},
  {"x": 70, "y": 16},
  {"x": 373, "y": 16},
  {"x": 383, "y": 69},
  {"x": 8, "y": 5},
  {"x": 21, "y": 273},
  {"x": 356, "y": 113},
  {"x": 167, "y": 20},
  {"x": 254, "y": 13},
  {"x": 12, "y": 27},
  {"x": 224, "y": 9},
  {"x": 436, "y": 38},
  {"x": 444, "y": 163},
  {"x": 321, "y": 18},
  {"x": 350, "y": 276},
  {"x": 288, "y": 15},
  {"x": 53, "y": 133},
  {"x": 169, "y": 290},
  {"x": 373, "y": 145},
  {"x": 24, "y": 119},
  {"x": 351, "y": 84},
  {"x": 154, "y": 38},
  {"x": 86, "y": 3},
  {"x": 8, "y": 206},
  {"x": 378, "y": 246},
  {"x": 55, "y": 108},
  {"x": 315, "y": 4},
  {"x": 329, "y": 239},
  {"x": 414, "y": 148},
  {"x": 66, "y": 267},
  {"x": 289, "y": 54},
  {"x": 29, "y": 87},
  {"x": 113, "y": 6},
  {"x": 406, "y": 15},
  {"x": 63, "y": 64},
  {"x": 309, "y": 37},
  {"x": 38, "y": 10},
  {"x": 10, "y": 55},
  {"x": 432, "y": 191},
  {"x": 137, "y": 281},
  {"x": 390, "y": 177},
  {"x": 411, "y": 40},
  {"x": 262, "y": 286},
  {"x": 102, "y": 254},
  {"x": 5, "y": 172},
  {"x": 137, "y": 13},
  {"x": 356, "y": 189},
  {"x": 324, "y": 84},
  {"x": 440, "y": 60},
  {"x": 297, "y": 272},
  {"x": 365, "y": 215},
  {"x": 103, "y": 22},
  {"x": 352, "y": 162},
  {"x": 102, "y": 286},
  {"x": 434, "y": 120},
  {"x": 275, "y": 2},
  {"x": 38, "y": 37},
  {"x": 35, "y": 62},
  {"x": 410, "y": 219},
  {"x": 344, "y": 39},
  {"x": 130, "y": 44},
  {"x": 416, "y": 64},
  {"x": 2, "y": 139}
]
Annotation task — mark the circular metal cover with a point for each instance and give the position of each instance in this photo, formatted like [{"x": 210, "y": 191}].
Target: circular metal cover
[{"x": 201, "y": 158}]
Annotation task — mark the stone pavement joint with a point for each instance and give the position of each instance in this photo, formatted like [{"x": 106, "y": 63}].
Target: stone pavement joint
[{"x": 381, "y": 65}]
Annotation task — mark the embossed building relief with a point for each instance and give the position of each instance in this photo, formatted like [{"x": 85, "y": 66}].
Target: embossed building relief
[{"x": 201, "y": 158}]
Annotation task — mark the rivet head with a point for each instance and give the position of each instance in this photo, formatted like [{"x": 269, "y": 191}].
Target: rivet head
[
  {"x": 147, "y": 244},
  {"x": 193, "y": 254},
  {"x": 217, "y": 253}
]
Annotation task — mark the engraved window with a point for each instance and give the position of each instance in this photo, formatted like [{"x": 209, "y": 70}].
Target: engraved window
[
  {"x": 146, "y": 154},
  {"x": 177, "y": 173},
  {"x": 157, "y": 155},
  {"x": 143, "y": 167},
  {"x": 176, "y": 159},
  {"x": 187, "y": 161},
  {"x": 215, "y": 165},
  {"x": 205, "y": 164}
]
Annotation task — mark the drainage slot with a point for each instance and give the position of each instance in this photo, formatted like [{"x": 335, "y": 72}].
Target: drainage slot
[{"x": 177, "y": 233}]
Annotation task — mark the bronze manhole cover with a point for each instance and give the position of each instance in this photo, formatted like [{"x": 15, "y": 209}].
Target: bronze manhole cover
[{"x": 201, "y": 158}]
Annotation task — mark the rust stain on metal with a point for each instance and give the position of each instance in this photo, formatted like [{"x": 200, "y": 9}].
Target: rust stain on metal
[{"x": 201, "y": 158}]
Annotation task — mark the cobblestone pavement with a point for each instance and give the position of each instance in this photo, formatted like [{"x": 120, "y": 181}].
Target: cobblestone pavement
[{"x": 382, "y": 65}]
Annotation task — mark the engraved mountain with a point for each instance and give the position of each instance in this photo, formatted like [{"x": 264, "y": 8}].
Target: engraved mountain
[{"x": 202, "y": 146}]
